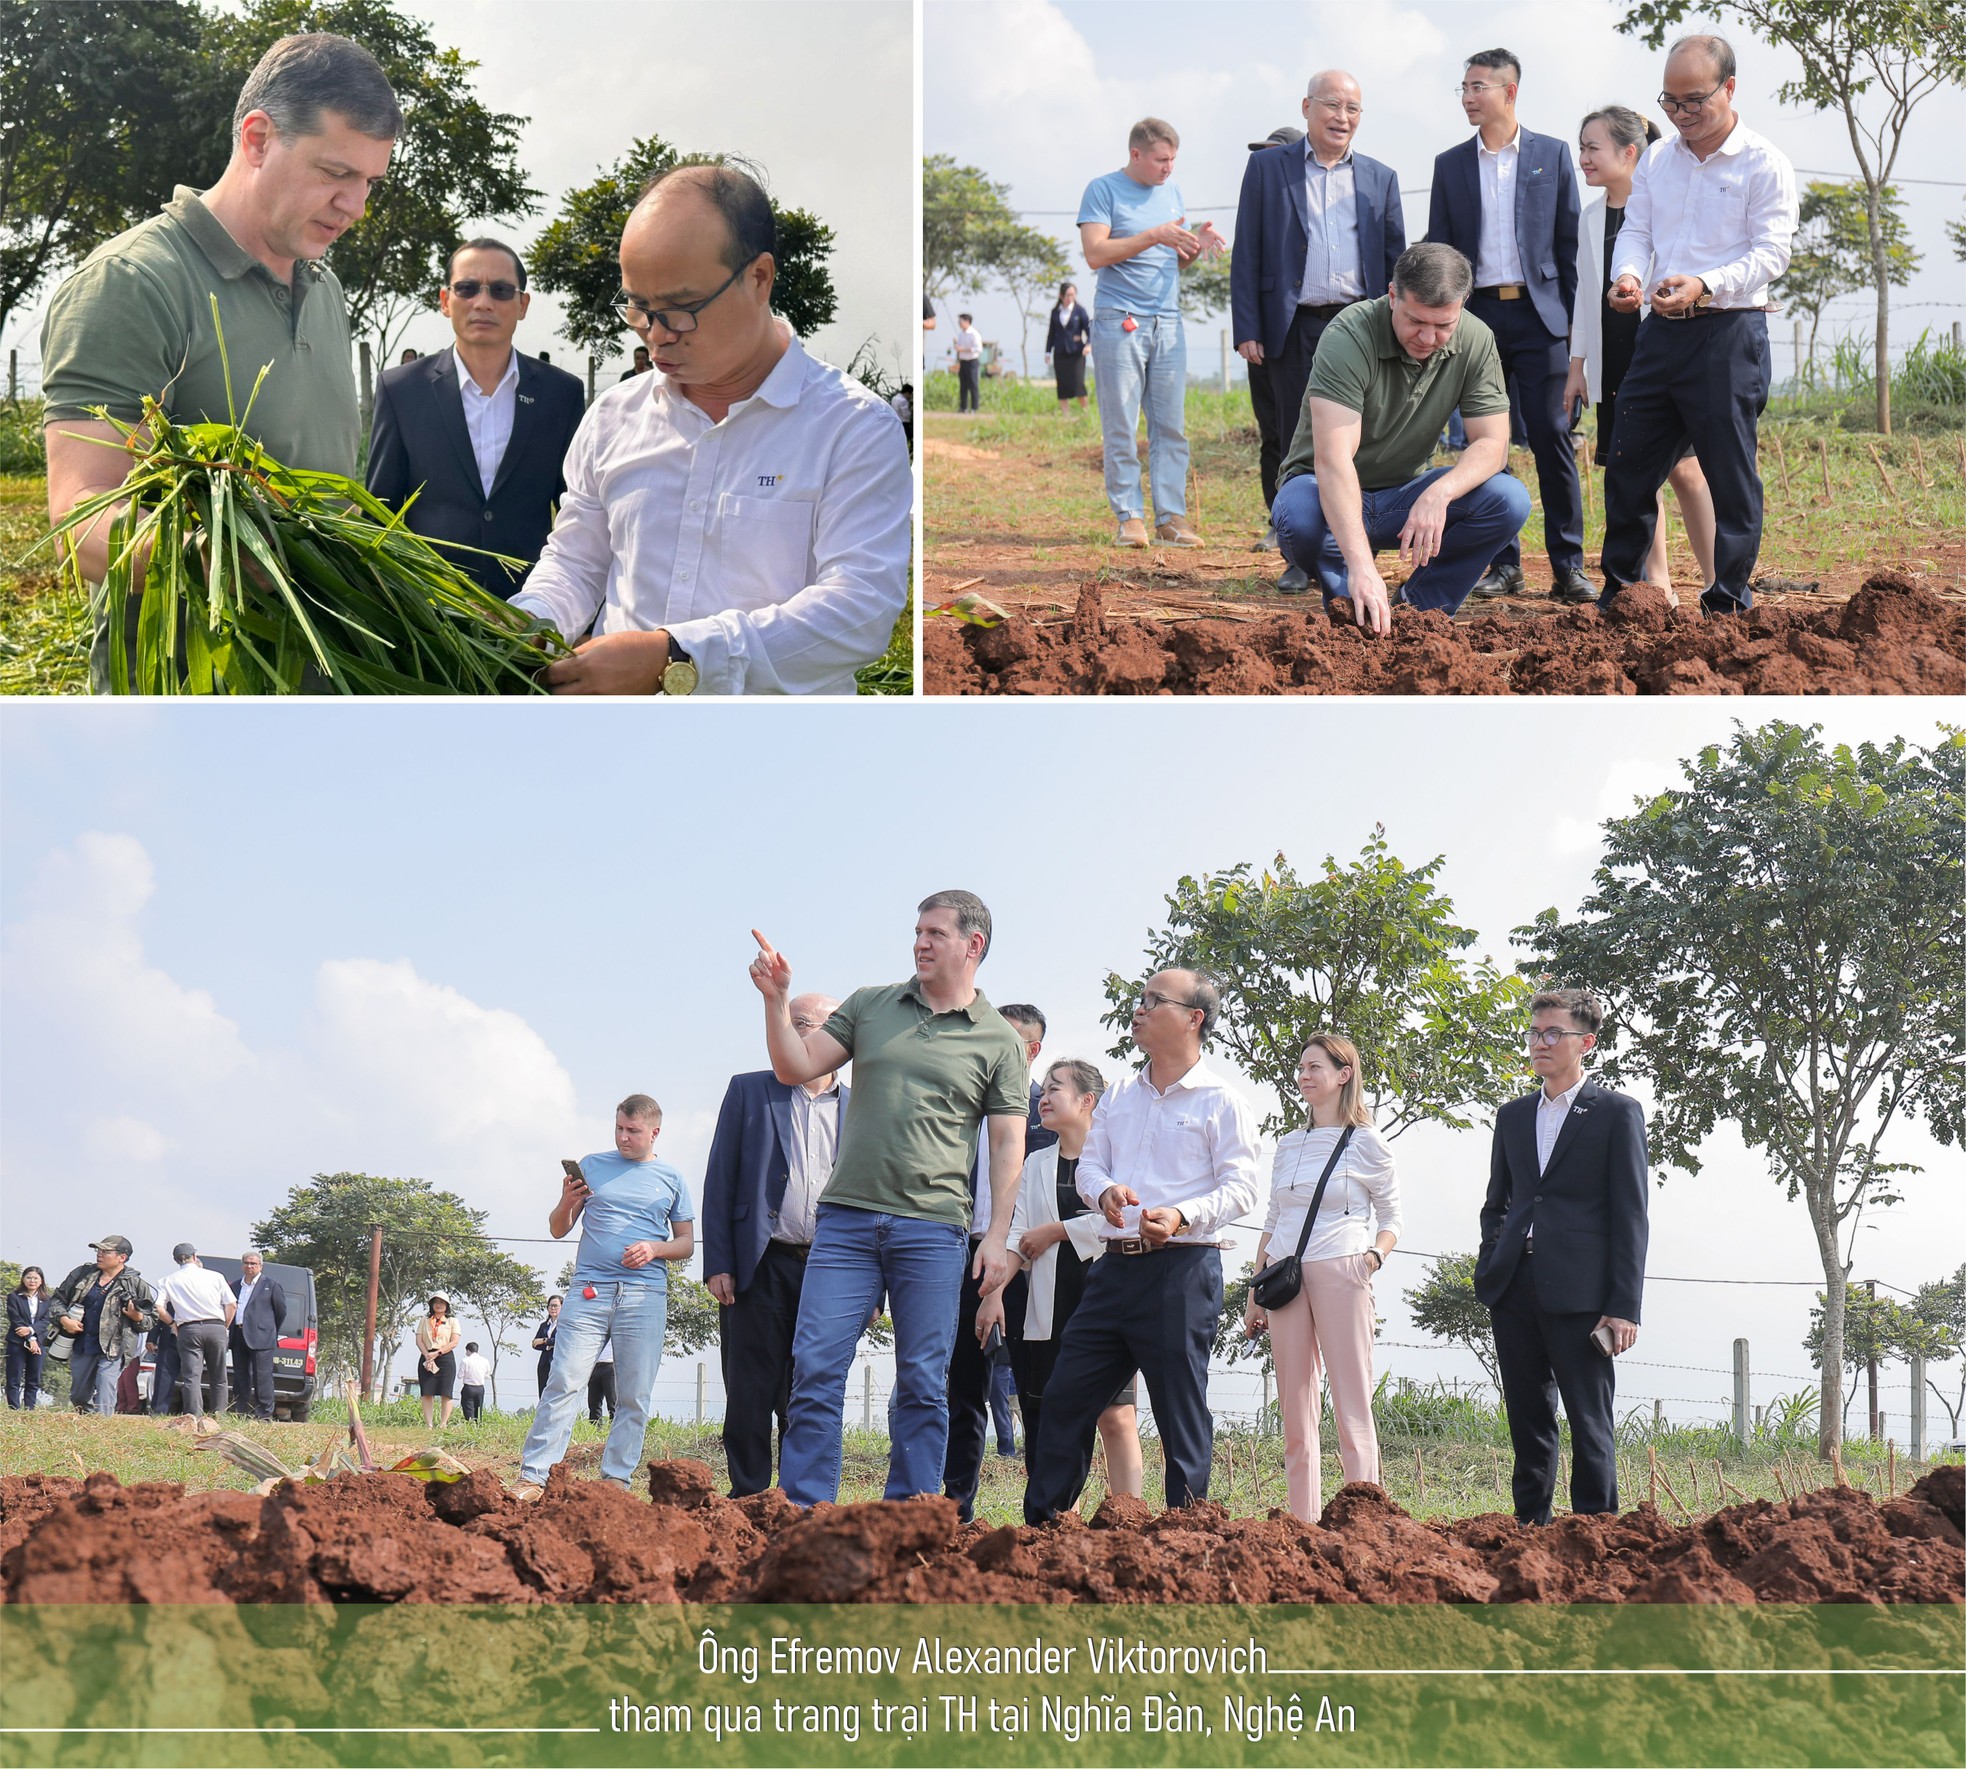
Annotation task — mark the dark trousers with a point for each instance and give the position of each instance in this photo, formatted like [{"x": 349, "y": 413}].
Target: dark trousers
[
  {"x": 1535, "y": 364},
  {"x": 1286, "y": 375},
  {"x": 1543, "y": 1355},
  {"x": 164, "y": 1374},
  {"x": 1706, "y": 379},
  {"x": 600, "y": 1391},
  {"x": 969, "y": 1399},
  {"x": 23, "y": 1373},
  {"x": 1151, "y": 1312},
  {"x": 969, "y": 384},
  {"x": 1002, "y": 1387},
  {"x": 201, "y": 1366},
  {"x": 754, "y": 1352},
  {"x": 252, "y": 1379},
  {"x": 471, "y": 1400},
  {"x": 1269, "y": 451}
]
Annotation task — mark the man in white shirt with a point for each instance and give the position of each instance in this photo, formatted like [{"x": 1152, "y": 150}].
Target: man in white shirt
[
  {"x": 1170, "y": 1163},
  {"x": 197, "y": 1304},
  {"x": 473, "y": 1372},
  {"x": 741, "y": 520},
  {"x": 472, "y": 439},
  {"x": 969, "y": 364},
  {"x": 1708, "y": 228}
]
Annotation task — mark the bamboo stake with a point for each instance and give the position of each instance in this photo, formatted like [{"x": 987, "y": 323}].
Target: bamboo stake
[
  {"x": 1693, "y": 1472},
  {"x": 1918, "y": 449},
  {"x": 1782, "y": 461},
  {"x": 1822, "y": 449},
  {"x": 1891, "y": 1463},
  {"x": 1726, "y": 1485},
  {"x": 1781, "y": 1486},
  {"x": 1877, "y": 460},
  {"x": 1652, "y": 1457},
  {"x": 1676, "y": 1499},
  {"x": 1836, "y": 1463},
  {"x": 1961, "y": 440},
  {"x": 1419, "y": 1474}
]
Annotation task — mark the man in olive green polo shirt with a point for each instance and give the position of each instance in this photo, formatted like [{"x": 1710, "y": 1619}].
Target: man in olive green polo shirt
[
  {"x": 311, "y": 133},
  {"x": 1387, "y": 374},
  {"x": 932, "y": 1060}
]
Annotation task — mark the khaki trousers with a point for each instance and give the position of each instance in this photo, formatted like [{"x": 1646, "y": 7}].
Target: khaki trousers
[{"x": 1326, "y": 1326}]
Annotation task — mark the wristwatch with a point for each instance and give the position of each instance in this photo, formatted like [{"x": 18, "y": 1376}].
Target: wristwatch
[
  {"x": 1380, "y": 1257},
  {"x": 679, "y": 673}
]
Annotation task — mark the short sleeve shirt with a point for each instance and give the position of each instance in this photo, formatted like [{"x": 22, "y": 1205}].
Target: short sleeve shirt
[
  {"x": 1150, "y": 281},
  {"x": 136, "y": 319},
  {"x": 1404, "y": 404},
  {"x": 632, "y": 1201},
  {"x": 923, "y": 1082}
]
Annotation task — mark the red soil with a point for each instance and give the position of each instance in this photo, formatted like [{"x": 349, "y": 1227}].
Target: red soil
[
  {"x": 384, "y": 1538},
  {"x": 1892, "y": 637}
]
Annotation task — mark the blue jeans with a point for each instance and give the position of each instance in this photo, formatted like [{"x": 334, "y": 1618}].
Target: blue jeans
[
  {"x": 856, "y": 1254},
  {"x": 634, "y": 1316},
  {"x": 1479, "y": 523},
  {"x": 1146, "y": 367},
  {"x": 92, "y": 1377}
]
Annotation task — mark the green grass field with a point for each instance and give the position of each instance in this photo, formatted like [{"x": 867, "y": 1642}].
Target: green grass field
[{"x": 1432, "y": 1475}]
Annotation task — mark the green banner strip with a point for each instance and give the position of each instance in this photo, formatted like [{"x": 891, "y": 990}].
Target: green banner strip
[{"x": 1085, "y": 1684}]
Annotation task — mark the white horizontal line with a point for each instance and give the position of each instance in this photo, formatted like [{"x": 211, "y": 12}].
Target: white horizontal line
[
  {"x": 257, "y": 1731},
  {"x": 1649, "y": 1671}
]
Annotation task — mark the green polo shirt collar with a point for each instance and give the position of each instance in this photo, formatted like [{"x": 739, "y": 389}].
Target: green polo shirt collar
[{"x": 977, "y": 1008}]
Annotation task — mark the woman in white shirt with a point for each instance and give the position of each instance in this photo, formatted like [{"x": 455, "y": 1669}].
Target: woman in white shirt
[
  {"x": 1329, "y": 1321},
  {"x": 1602, "y": 339},
  {"x": 1055, "y": 1238}
]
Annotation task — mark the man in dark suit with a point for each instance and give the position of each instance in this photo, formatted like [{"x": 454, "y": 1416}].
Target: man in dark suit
[
  {"x": 255, "y": 1332},
  {"x": 479, "y": 429},
  {"x": 1506, "y": 200},
  {"x": 1318, "y": 227},
  {"x": 769, "y": 1161},
  {"x": 1562, "y": 1258},
  {"x": 970, "y": 1372}
]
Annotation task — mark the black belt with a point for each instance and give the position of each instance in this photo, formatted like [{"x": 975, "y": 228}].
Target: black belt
[
  {"x": 1505, "y": 291},
  {"x": 800, "y": 1249},
  {"x": 1326, "y": 309}
]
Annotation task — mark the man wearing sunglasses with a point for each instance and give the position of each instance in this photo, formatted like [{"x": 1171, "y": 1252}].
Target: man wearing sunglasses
[
  {"x": 477, "y": 433},
  {"x": 1708, "y": 227},
  {"x": 741, "y": 520},
  {"x": 1562, "y": 1261}
]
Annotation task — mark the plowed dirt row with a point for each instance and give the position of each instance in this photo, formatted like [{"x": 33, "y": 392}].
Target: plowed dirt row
[
  {"x": 386, "y": 1539},
  {"x": 1893, "y": 637}
]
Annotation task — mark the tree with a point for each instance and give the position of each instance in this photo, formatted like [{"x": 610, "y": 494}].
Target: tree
[
  {"x": 1029, "y": 265},
  {"x": 1956, "y": 232},
  {"x": 103, "y": 108},
  {"x": 1875, "y": 1330},
  {"x": 1832, "y": 254},
  {"x": 578, "y": 256},
  {"x": 505, "y": 1293},
  {"x": 1903, "y": 50},
  {"x": 1205, "y": 287},
  {"x": 965, "y": 215},
  {"x": 1444, "y": 1304},
  {"x": 694, "y": 1318},
  {"x": 455, "y": 163},
  {"x": 1780, "y": 942},
  {"x": 1939, "y": 1335},
  {"x": 431, "y": 1241},
  {"x": 1367, "y": 950}
]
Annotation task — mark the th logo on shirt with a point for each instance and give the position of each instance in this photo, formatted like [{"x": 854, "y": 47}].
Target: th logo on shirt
[{"x": 767, "y": 481}]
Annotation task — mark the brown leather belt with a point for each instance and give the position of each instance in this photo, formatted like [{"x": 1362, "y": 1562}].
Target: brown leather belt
[
  {"x": 1505, "y": 291},
  {"x": 1131, "y": 1244}
]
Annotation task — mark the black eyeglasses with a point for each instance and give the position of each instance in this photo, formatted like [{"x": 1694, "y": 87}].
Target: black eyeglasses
[
  {"x": 641, "y": 317},
  {"x": 1149, "y": 1000},
  {"x": 467, "y": 289},
  {"x": 1669, "y": 103},
  {"x": 1548, "y": 1035}
]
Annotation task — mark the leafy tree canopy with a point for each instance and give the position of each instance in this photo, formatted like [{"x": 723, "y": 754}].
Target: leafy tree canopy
[
  {"x": 1832, "y": 255},
  {"x": 1444, "y": 1304}
]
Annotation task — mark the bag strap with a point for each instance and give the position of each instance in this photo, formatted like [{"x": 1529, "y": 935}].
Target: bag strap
[{"x": 1317, "y": 1197}]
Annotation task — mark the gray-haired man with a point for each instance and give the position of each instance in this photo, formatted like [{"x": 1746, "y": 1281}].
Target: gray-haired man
[{"x": 1387, "y": 374}]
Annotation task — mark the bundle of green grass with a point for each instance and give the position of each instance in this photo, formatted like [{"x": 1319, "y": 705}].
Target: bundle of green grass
[{"x": 255, "y": 578}]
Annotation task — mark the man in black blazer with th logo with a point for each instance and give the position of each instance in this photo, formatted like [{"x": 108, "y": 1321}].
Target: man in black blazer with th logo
[
  {"x": 1563, "y": 1255},
  {"x": 481, "y": 429}
]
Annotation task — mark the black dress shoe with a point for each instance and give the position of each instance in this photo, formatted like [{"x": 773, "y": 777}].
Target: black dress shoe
[
  {"x": 1574, "y": 587},
  {"x": 1294, "y": 582},
  {"x": 1498, "y": 580}
]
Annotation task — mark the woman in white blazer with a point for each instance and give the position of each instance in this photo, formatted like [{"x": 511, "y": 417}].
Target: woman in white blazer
[
  {"x": 1055, "y": 1237},
  {"x": 1329, "y": 1322},
  {"x": 1601, "y": 339}
]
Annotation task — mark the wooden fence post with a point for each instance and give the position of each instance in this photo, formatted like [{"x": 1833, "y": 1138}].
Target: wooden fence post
[
  {"x": 1918, "y": 1409},
  {"x": 866, "y": 1397},
  {"x": 699, "y": 1396},
  {"x": 1741, "y": 1392}
]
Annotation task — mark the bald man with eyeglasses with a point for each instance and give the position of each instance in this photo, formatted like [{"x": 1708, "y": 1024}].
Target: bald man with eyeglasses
[{"x": 1562, "y": 1263}]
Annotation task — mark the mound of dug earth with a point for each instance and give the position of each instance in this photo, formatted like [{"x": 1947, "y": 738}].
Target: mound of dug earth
[
  {"x": 1892, "y": 637},
  {"x": 387, "y": 1539}
]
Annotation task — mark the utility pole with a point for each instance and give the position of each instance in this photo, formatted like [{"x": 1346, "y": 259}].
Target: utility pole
[
  {"x": 375, "y": 1286},
  {"x": 1876, "y": 1424}
]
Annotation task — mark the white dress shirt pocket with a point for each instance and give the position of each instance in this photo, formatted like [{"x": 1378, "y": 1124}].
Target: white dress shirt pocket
[{"x": 764, "y": 551}]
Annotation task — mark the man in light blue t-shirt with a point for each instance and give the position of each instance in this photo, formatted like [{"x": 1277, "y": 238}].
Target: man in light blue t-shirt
[
  {"x": 635, "y": 1216},
  {"x": 1131, "y": 226}
]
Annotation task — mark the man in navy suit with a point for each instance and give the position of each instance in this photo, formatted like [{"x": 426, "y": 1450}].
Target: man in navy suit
[
  {"x": 1562, "y": 1256},
  {"x": 970, "y": 1372},
  {"x": 1318, "y": 227},
  {"x": 1506, "y": 200},
  {"x": 769, "y": 1161},
  {"x": 480, "y": 429},
  {"x": 255, "y": 1333}
]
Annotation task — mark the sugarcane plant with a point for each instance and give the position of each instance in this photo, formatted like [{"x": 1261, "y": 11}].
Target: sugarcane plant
[{"x": 249, "y": 574}]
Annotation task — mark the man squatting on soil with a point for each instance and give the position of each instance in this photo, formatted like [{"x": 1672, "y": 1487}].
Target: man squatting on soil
[{"x": 1707, "y": 229}]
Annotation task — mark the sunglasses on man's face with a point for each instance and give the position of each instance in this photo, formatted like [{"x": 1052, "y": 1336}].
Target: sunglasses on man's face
[{"x": 467, "y": 290}]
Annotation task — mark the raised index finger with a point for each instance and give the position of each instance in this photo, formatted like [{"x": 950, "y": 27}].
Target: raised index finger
[{"x": 764, "y": 945}]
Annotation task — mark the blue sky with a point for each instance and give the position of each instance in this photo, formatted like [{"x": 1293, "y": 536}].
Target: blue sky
[
  {"x": 247, "y": 944},
  {"x": 1040, "y": 95}
]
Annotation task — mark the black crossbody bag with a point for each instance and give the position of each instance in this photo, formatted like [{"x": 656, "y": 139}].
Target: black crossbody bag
[{"x": 1280, "y": 1280}]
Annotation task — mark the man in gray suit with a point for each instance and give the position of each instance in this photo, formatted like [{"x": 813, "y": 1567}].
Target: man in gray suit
[{"x": 255, "y": 1334}]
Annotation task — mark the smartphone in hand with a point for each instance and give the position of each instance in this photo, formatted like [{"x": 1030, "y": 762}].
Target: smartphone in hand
[{"x": 572, "y": 1170}]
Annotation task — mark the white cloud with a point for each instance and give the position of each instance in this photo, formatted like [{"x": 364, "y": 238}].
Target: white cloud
[{"x": 125, "y": 1139}]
